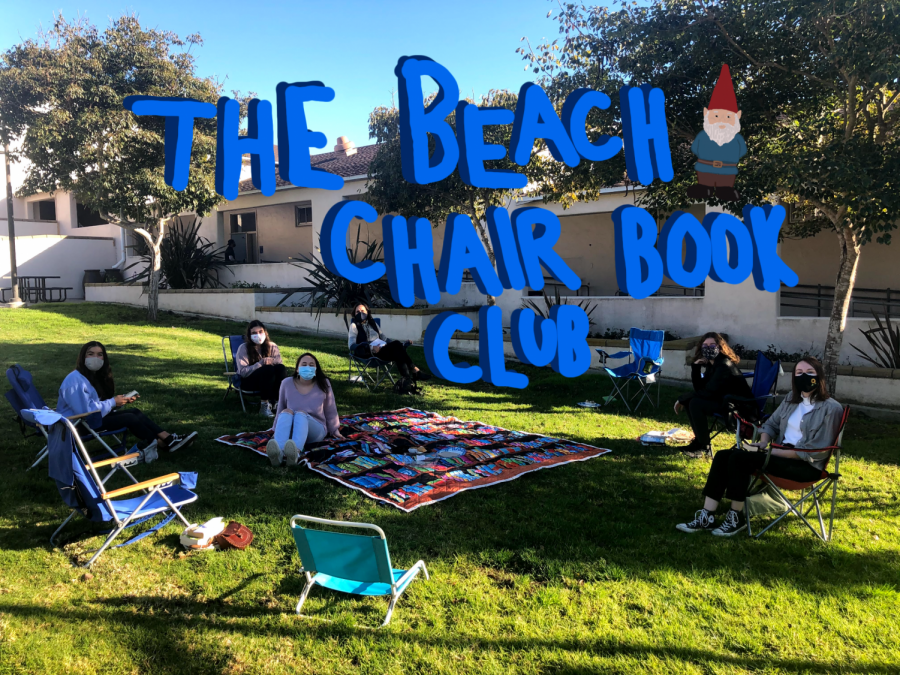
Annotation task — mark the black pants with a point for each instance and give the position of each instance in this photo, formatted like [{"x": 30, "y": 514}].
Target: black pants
[
  {"x": 266, "y": 380},
  {"x": 731, "y": 471},
  {"x": 699, "y": 410},
  {"x": 393, "y": 351},
  {"x": 134, "y": 420}
]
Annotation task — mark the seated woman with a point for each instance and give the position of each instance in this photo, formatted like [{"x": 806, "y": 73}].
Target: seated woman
[
  {"x": 306, "y": 412},
  {"x": 90, "y": 387},
  {"x": 714, "y": 375},
  {"x": 364, "y": 331},
  {"x": 807, "y": 419},
  {"x": 260, "y": 367}
]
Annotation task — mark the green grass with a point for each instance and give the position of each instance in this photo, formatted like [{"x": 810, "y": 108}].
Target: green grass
[{"x": 574, "y": 569}]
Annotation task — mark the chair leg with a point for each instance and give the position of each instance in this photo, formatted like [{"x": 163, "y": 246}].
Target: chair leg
[
  {"x": 112, "y": 535},
  {"x": 40, "y": 458},
  {"x": 305, "y": 592},
  {"x": 59, "y": 529},
  {"x": 390, "y": 611},
  {"x": 241, "y": 396},
  {"x": 833, "y": 501}
]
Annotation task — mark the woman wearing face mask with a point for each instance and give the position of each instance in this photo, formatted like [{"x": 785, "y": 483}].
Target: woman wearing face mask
[
  {"x": 714, "y": 375},
  {"x": 364, "y": 331},
  {"x": 260, "y": 367},
  {"x": 90, "y": 388},
  {"x": 807, "y": 419},
  {"x": 306, "y": 413}
]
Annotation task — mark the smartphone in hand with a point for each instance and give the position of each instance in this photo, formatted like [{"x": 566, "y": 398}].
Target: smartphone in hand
[{"x": 131, "y": 394}]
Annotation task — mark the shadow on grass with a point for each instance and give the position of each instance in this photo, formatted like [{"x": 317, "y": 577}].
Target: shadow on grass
[{"x": 167, "y": 640}]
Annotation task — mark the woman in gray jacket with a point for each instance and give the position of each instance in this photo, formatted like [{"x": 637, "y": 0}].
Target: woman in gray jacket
[{"x": 806, "y": 420}]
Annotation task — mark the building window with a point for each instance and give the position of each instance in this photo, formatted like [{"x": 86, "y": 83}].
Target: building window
[
  {"x": 304, "y": 214},
  {"x": 243, "y": 232},
  {"x": 243, "y": 222},
  {"x": 45, "y": 210},
  {"x": 88, "y": 217}
]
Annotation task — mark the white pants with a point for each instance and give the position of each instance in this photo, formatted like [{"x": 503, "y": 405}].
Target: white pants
[{"x": 299, "y": 427}]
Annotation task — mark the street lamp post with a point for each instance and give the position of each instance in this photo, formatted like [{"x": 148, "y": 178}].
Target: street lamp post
[{"x": 11, "y": 223}]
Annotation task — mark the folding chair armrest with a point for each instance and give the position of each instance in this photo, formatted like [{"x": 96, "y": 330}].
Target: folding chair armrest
[
  {"x": 747, "y": 374},
  {"x": 116, "y": 460},
  {"x": 85, "y": 414},
  {"x": 229, "y": 373},
  {"x": 617, "y": 355},
  {"x": 143, "y": 485}
]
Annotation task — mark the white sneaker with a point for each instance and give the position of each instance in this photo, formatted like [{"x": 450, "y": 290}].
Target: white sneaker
[
  {"x": 273, "y": 450},
  {"x": 149, "y": 453},
  {"x": 265, "y": 410},
  {"x": 291, "y": 454}
]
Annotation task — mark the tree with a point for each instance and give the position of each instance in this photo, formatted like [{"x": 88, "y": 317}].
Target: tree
[
  {"x": 818, "y": 84},
  {"x": 388, "y": 192},
  {"x": 63, "y": 94}
]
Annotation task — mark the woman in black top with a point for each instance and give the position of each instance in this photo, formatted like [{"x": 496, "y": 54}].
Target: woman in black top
[
  {"x": 715, "y": 375},
  {"x": 364, "y": 331}
]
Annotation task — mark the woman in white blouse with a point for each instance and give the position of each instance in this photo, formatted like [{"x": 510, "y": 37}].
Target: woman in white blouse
[{"x": 808, "y": 419}]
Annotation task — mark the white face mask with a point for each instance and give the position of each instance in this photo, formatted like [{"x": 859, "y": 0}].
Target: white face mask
[
  {"x": 258, "y": 338},
  {"x": 93, "y": 363}
]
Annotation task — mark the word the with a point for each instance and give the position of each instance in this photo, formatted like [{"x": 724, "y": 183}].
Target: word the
[
  {"x": 687, "y": 251},
  {"x": 646, "y": 136}
]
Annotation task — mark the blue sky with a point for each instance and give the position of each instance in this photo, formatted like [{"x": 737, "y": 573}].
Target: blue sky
[{"x": 350, "y": 45}]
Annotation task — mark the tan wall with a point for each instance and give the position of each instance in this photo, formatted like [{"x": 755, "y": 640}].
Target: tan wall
[{"x": 815, "y": 260}]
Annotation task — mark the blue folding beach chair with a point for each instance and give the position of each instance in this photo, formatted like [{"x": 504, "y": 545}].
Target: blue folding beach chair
[
  {"x": 231, "y": 371},
  {"x": 85, "y": 492},
  {"x": 350, "y": 563},
  {"x": 644, "y": 368},
  {"x": 765, "y": 382},
  {"x": 24, "y": 396},
  {"x": 371, "y": 370}
]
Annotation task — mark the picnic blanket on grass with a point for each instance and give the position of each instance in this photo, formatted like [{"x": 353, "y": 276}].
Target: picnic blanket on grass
[{"x": 409, "y": 458}]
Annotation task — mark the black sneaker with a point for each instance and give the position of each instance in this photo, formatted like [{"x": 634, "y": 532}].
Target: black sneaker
[
  {"x": 178, "y": 441},
  {"x": 703, "y": 521},
  {"x": 735, "y": 521},
  {"x": 421, "y": 376}
]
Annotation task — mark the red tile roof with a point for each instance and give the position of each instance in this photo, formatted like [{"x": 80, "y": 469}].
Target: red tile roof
[{"x": 334, "y": 162}]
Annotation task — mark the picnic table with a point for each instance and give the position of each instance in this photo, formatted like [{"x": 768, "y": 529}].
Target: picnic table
[{"x": 34, "y": 288}]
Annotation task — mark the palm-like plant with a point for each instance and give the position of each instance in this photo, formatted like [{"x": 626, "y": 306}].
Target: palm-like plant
[
  {"x": 544, "y": 312},
  {"x": 188, "y": 260},
  {"x": 328, "y": 290},
  {"x": 884, "y": 340}
]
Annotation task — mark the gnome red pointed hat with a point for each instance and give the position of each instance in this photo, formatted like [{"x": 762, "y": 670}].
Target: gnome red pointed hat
[{"x": 723, "y": 97}]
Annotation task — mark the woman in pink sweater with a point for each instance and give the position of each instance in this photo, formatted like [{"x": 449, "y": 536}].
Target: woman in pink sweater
[{"x": 306, "y": 412}]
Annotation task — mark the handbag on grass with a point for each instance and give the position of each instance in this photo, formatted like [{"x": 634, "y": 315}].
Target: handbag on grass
[{"x": 234, "y": 535}]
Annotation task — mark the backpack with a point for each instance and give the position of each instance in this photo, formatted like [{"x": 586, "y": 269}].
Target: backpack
[{"x": 406, "y": 385}]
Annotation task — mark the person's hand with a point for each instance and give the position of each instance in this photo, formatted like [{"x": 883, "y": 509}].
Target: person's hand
[
  {"x": 338, "y": 437},
  {"x": 123, "y": 400},
  {"x": 268, "y": 361},
  {"x": 375, "y": 350},
  {"x": 408, "y": 343},
  {"x": 679, "y": 406},
  {"x": 758, "y": 447},
  {"x": 700, "y": 362}
]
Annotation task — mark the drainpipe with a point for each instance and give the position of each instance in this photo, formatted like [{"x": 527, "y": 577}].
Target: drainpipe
[{"x": 11, "y": 224}]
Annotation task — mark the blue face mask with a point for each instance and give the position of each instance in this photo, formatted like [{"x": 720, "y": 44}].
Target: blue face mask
[{"x": 306, "y": 372}]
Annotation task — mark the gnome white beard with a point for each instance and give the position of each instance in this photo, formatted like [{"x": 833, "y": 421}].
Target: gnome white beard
[{"x": 719, "y": 135}]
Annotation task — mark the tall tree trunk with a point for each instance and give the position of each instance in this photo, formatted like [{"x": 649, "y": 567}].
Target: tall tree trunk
[
  {"x": 843, "y": 291},
  {"x": 485, "y": 239},
  {"x": 154, "y": 273}
]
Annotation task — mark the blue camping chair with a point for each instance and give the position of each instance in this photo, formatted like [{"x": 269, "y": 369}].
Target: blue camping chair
[
  {"x": 349, "y": 563},
  {"x": 644, "y": 368},
  {"x": 231, "y": 371},
  {"x": 371, "y": 371},
  {"x": 765, "y": 382},
  {"x": 25, "y": 396},
  {"x": 87, "y": 494}
]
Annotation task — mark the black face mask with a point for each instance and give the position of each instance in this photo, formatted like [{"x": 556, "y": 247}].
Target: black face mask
[
  {"x": 709, "y": 351},
  {"x": 361, "y": 316},
  {"x": 807, "y": 383}
]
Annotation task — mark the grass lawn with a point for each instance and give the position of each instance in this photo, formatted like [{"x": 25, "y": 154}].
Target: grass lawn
[{"x": 575, "y": 569}]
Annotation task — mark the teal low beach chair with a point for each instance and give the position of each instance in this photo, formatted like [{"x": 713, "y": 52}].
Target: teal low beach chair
[{"x": 358, "y": 564}]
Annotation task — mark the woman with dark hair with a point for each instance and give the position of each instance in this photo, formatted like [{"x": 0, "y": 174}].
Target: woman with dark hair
[
  {"x": 260, "y": 367},
  {"x": 91, "y": 388},
  {"x": 714, "y": 375},
  {"x": 307, "y": 412},
  {"x": 366, "y": 339},
  {"x": 807, "y": 419}
]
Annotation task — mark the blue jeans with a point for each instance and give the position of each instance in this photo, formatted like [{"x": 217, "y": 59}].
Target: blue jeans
[{"x": 299, "y": 427}]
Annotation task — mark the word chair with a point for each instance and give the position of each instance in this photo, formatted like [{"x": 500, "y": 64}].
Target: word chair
[{"x": 358, "y": 564}]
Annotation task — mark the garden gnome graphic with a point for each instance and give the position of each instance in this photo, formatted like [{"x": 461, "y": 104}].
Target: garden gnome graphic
[{"x": 720, "y": 145}]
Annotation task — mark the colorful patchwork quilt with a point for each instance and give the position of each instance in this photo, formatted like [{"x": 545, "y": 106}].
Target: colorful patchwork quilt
[{"x": 409, "y": 458}]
